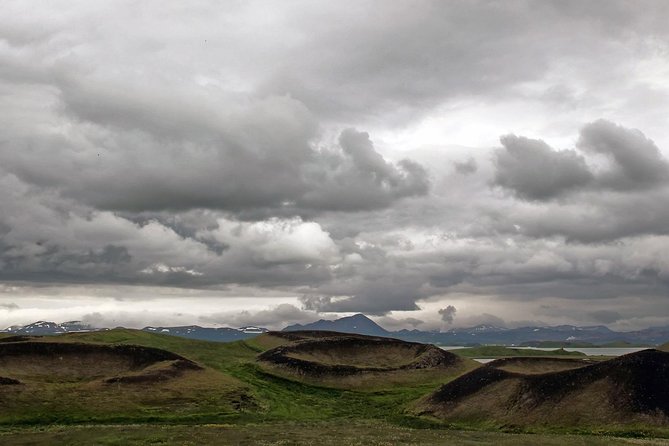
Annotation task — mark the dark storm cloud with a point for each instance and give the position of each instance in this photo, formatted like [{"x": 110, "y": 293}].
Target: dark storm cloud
[
  {"x": 465, "y": 167},
  {"x": 637, "y": 162},
  {"x": 262, "y": 158},
  {"x": 447, "y": 314},
  {"x": 363, "y": 179},
  {"x": 605, "y": 316},
  {"x": 385, "y": 293},
  {"x": 414, "y": 55},
  {"x": 532, "y": 170},
  {"x": 208, "y": 147},
  {"x": 595, "y": 217}
]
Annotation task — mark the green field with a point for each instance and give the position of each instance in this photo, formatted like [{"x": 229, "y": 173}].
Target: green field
[
  {"x": 295, "y": 433},
  {"x": 273, "y": 409}
]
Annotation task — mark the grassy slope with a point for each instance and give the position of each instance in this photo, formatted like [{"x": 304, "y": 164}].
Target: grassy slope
[
  {"x": 278, "y": 398},
  {"x": 198, "y": 394},
  {"x": 493, "y": 351},
  {"x": 282, "y": 404}
]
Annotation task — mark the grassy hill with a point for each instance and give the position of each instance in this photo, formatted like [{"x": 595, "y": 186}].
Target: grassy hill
[
  {"x": 629, "y": 390},
  {"x": 357, "y": 362},
  {"x": 66, "y": 382},
  {"x": 254, "y": 394}
]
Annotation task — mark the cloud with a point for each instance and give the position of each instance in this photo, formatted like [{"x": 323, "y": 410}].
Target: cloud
[
  {"x": 447, "y": 314},
  {"x": 9, "y": 306},
  {"x": 412, "y": 321},
  {"x": 637, "y": 162},
  {"x": 484, "y": 319},
  {"x": 276, "y": 240},
  {"x": 132, "y": 146},
  {"x": 303, "y": 149},
  {"x": 360, "y": 178},
  {"x": 534, "y": 171},
  {"x": 605, "y": 316},
  {"x": 465, "y": 167},
  {"x": 276, "y": 317},
  {"x": 418, "y": 56},
  {"x": 368, "y": 291},
  {"x": 161, "y": 268}
]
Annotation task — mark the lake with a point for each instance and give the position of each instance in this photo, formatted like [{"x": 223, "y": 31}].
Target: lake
[
  {"x": 594, "y": 351},
  {"x": 590, "y": 351}
]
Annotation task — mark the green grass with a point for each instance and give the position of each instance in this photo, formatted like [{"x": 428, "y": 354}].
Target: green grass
[
  {"x": 204, "y": 395},
  {"x": 277, "y": 398},
  {"x": 296, "y": 433},
  {"x": 495, "y": 351},
  {"x": 282, "y": 410},
  {"x": 280, "y": 398}
]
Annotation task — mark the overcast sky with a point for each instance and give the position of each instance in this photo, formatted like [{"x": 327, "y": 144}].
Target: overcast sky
[{"x": 429, "y": 163}]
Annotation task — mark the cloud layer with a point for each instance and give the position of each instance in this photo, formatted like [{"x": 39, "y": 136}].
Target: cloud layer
[{"x": 401, "y": 160}]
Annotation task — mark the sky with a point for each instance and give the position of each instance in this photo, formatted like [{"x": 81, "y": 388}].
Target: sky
[{"x": 432, "y": 164}]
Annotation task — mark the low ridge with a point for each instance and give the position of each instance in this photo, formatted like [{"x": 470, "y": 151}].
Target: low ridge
[{"x": 37, "y": 361}]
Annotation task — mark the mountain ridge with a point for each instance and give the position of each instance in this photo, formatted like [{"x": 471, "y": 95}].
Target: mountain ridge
[{"x": 361, "y": 324}]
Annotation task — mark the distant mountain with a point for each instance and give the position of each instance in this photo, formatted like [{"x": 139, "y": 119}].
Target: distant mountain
[
  {"x": 562, "y": 335},
  {"x": 41, "y": 328},
  {"x": 517, "y": 336},
  {"x": 359, "y": 324},
  {"x": 48, "y": 328},
  {"x": 490, "y": 334},
  {"x": 209, "y": 334}
]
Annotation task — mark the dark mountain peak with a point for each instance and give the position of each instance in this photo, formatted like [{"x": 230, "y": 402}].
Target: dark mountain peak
[
  {"x": 358, "y": 323},
  {"x": 358, "y": 316}
]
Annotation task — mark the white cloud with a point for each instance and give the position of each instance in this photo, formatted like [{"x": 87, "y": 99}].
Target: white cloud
[{"x": 277, "y": 241}]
